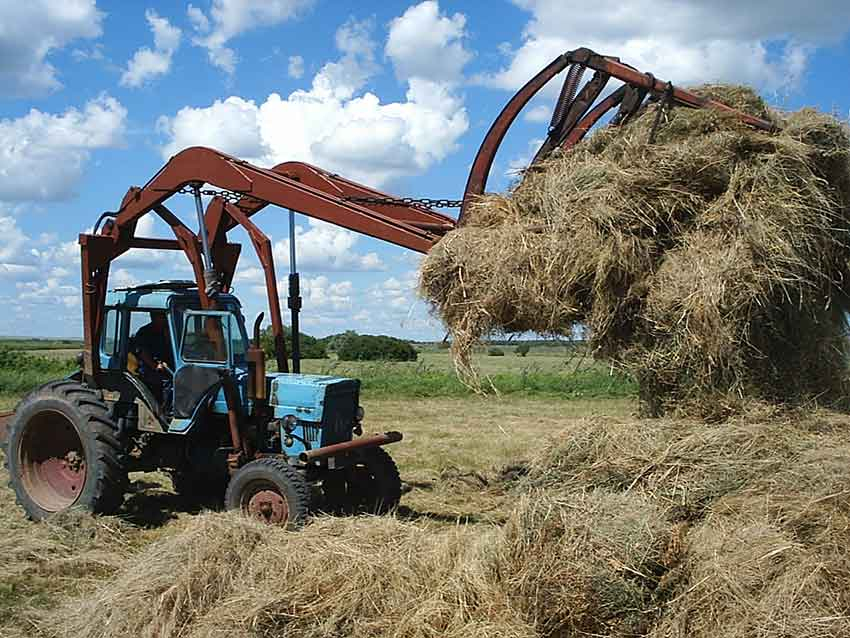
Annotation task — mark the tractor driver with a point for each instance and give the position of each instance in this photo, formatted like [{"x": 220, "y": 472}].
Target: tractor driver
[{"x": 152, "y": 346}]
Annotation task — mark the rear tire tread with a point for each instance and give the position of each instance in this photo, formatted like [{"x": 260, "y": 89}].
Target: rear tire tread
[{"x": 107, "y": 462}]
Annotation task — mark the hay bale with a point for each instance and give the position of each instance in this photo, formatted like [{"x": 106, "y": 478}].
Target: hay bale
[{"x": 712, "y": 265}]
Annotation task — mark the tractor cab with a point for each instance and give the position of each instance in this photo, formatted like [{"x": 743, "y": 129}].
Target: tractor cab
[{"x": 157, "y": 338}]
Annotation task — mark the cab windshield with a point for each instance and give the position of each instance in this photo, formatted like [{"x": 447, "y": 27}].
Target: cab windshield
[{"x": 238, "y": 336}]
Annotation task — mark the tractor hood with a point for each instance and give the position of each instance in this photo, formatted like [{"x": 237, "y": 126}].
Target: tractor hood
[{"x": 307, "y": 395}]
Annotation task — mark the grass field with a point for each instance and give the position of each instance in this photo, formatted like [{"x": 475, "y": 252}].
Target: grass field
[
  {"x": 547, "y": 371},
  {"x": 452, "y": 449},
  {"x": 455, "y": 441}
]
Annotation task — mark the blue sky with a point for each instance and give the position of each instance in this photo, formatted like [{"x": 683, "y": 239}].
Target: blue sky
[{"x": 97, "y": 95}]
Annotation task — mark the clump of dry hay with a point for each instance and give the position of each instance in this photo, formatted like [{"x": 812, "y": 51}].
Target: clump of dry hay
[
  {"x": 620, "y": 528},
  {"x": 712, "y": 264}
]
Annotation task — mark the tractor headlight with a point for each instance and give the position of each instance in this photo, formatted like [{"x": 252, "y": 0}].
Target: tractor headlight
[
  {"x": 289, "y": 422},
  {"x": 358, "y": 416}
]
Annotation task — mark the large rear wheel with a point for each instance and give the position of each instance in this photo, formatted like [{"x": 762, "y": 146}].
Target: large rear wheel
[
  {"x": 271, "y": 491},
  {"x": 63, "y": 451}
]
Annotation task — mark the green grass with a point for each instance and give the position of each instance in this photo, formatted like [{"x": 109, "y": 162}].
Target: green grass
[
  {"x": 544, "y": 372},
  {"x": 23, "y": 343},
  {"x": 20, "y": 372}
]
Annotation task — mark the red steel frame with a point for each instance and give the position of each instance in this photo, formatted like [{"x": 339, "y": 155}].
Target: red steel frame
[{"x": 329, "y": 197}]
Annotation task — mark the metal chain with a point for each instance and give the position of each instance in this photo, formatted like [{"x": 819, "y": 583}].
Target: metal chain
[
  {"x": 407, "y": 201},
  {"x": 234, "y": 197},
  {"x": 231, "y": 197}
]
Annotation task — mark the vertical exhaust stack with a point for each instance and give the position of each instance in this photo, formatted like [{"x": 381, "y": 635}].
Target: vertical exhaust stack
[{"x": 257, "y": 365}]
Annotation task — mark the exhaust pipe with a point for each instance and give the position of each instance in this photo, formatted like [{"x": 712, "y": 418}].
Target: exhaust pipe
[{"x": 256, "y": 365}]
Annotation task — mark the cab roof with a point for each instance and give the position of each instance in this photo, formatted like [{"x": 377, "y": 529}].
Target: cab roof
[{"x": 158, "y": 295}]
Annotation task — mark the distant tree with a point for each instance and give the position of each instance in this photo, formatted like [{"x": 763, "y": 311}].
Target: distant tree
[
  {"x": 375, "y": 348},
  {"x": 334, "y": 342},
  {"x": 311, "y": 348},
  {"x": 522, "y": 349},
  {"x": 493, "y": 351}
]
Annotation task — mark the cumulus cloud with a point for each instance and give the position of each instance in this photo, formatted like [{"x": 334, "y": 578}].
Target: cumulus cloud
[
  {"x": 322, "y": 246},
  {"x": 42, "y": 155},
  {"x": 686, "y": 41},
  {"x": 423, "y": 43},
  {"x": 229, "y": 125},
  {"x": 295, "y": 69},
  {"x": 31, "y": 31},
  {"x": 148, "y": 63},
  {"x": 230, "y": 18},
  {"x": 335, "y": 124}
]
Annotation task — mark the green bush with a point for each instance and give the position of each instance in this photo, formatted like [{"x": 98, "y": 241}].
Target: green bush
[
  {"x": 311, "y": 348},
  {"x": 495, "y": 352},
  {"x": 20, "y": 373},
  {"x": 333, "y": 343},
  {"x": 522, "y": 349},
  {"x": 375, "y": 348}
]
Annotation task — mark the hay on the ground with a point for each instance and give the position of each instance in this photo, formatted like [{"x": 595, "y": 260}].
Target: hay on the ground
[
  {"x": 619, "y": 528},
  {"x": 712, "y": 264}
]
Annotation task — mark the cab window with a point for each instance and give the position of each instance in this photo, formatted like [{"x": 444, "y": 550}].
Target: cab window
[{"x": 205, "y": 338}]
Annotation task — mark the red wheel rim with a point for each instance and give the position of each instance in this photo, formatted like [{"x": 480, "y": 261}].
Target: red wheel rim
[
  {"x": 265, "y": 503},
  {"x": 52, "y": 461}
]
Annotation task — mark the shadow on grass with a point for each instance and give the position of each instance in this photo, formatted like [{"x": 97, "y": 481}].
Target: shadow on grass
[{"x": 150, "y": 505}]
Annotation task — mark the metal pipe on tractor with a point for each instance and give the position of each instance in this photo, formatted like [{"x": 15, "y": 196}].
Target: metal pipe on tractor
[{"x": 225, "y": 427}]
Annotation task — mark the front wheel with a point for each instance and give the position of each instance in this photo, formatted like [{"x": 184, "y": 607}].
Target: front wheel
[{"x": 271, "y": 491}]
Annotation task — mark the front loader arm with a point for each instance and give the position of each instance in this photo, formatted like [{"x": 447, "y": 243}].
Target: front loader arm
[{"x": 260, "y": 187}]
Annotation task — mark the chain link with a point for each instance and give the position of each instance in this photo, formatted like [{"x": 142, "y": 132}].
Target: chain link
[
  {"x": 233, "y": 197},
  {"x": 407, "y": 201}
]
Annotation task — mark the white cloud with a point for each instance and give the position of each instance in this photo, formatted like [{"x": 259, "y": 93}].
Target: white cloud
[
  {"x": 230, "y": 18},
  {"x": 323, "y": 246},
  {"x": 422, "y": 43},
  {"x": 52, "y": 292},
  {"x": 538, "y": 114},
  {"x": 334, "y": 124},
  {"x": 688, "y": 41},
  {"x": 148, "y": 63},
  {"x": 42, "y": 155},
  {"x": 31, "y": 31},
  {"x": 231, "y": 126},
  {"x": 295, "y": 69},
  {"x": 319, "y": 292}
]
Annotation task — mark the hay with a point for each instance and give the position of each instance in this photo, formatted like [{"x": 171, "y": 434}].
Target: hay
[
  {"x": 711, "y": 265},
  {"x": 618, "y": 527}
]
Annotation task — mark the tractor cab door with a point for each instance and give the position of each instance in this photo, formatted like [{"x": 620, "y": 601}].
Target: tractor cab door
[{"x": 206, "y": 357}]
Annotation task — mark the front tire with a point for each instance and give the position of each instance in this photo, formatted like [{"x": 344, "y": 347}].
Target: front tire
[
  {"x": 63, "y": 451},
  {"x": 271, "y": 491}
]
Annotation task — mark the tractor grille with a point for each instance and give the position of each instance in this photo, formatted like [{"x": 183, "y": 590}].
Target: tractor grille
[{"x": 341, "y": 401}]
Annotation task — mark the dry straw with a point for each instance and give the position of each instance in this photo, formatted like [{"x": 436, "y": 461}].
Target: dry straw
[
  {"x": 619, "y": 528},
  {"x": 712, "y": 264}
]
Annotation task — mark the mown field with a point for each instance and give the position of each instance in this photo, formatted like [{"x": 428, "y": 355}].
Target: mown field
[{"x": 455, "y": 442}]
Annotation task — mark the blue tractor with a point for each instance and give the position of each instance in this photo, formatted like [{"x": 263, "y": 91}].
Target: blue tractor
[{"x": 272, "y": 445}]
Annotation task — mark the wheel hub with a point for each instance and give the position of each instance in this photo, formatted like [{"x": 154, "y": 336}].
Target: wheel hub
[
  {"x": 53, "y": 464},
  {"x": 269, "y": 507}
]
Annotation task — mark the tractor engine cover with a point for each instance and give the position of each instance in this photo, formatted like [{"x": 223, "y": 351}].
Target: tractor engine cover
[{"x": 325, "y": 408}]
